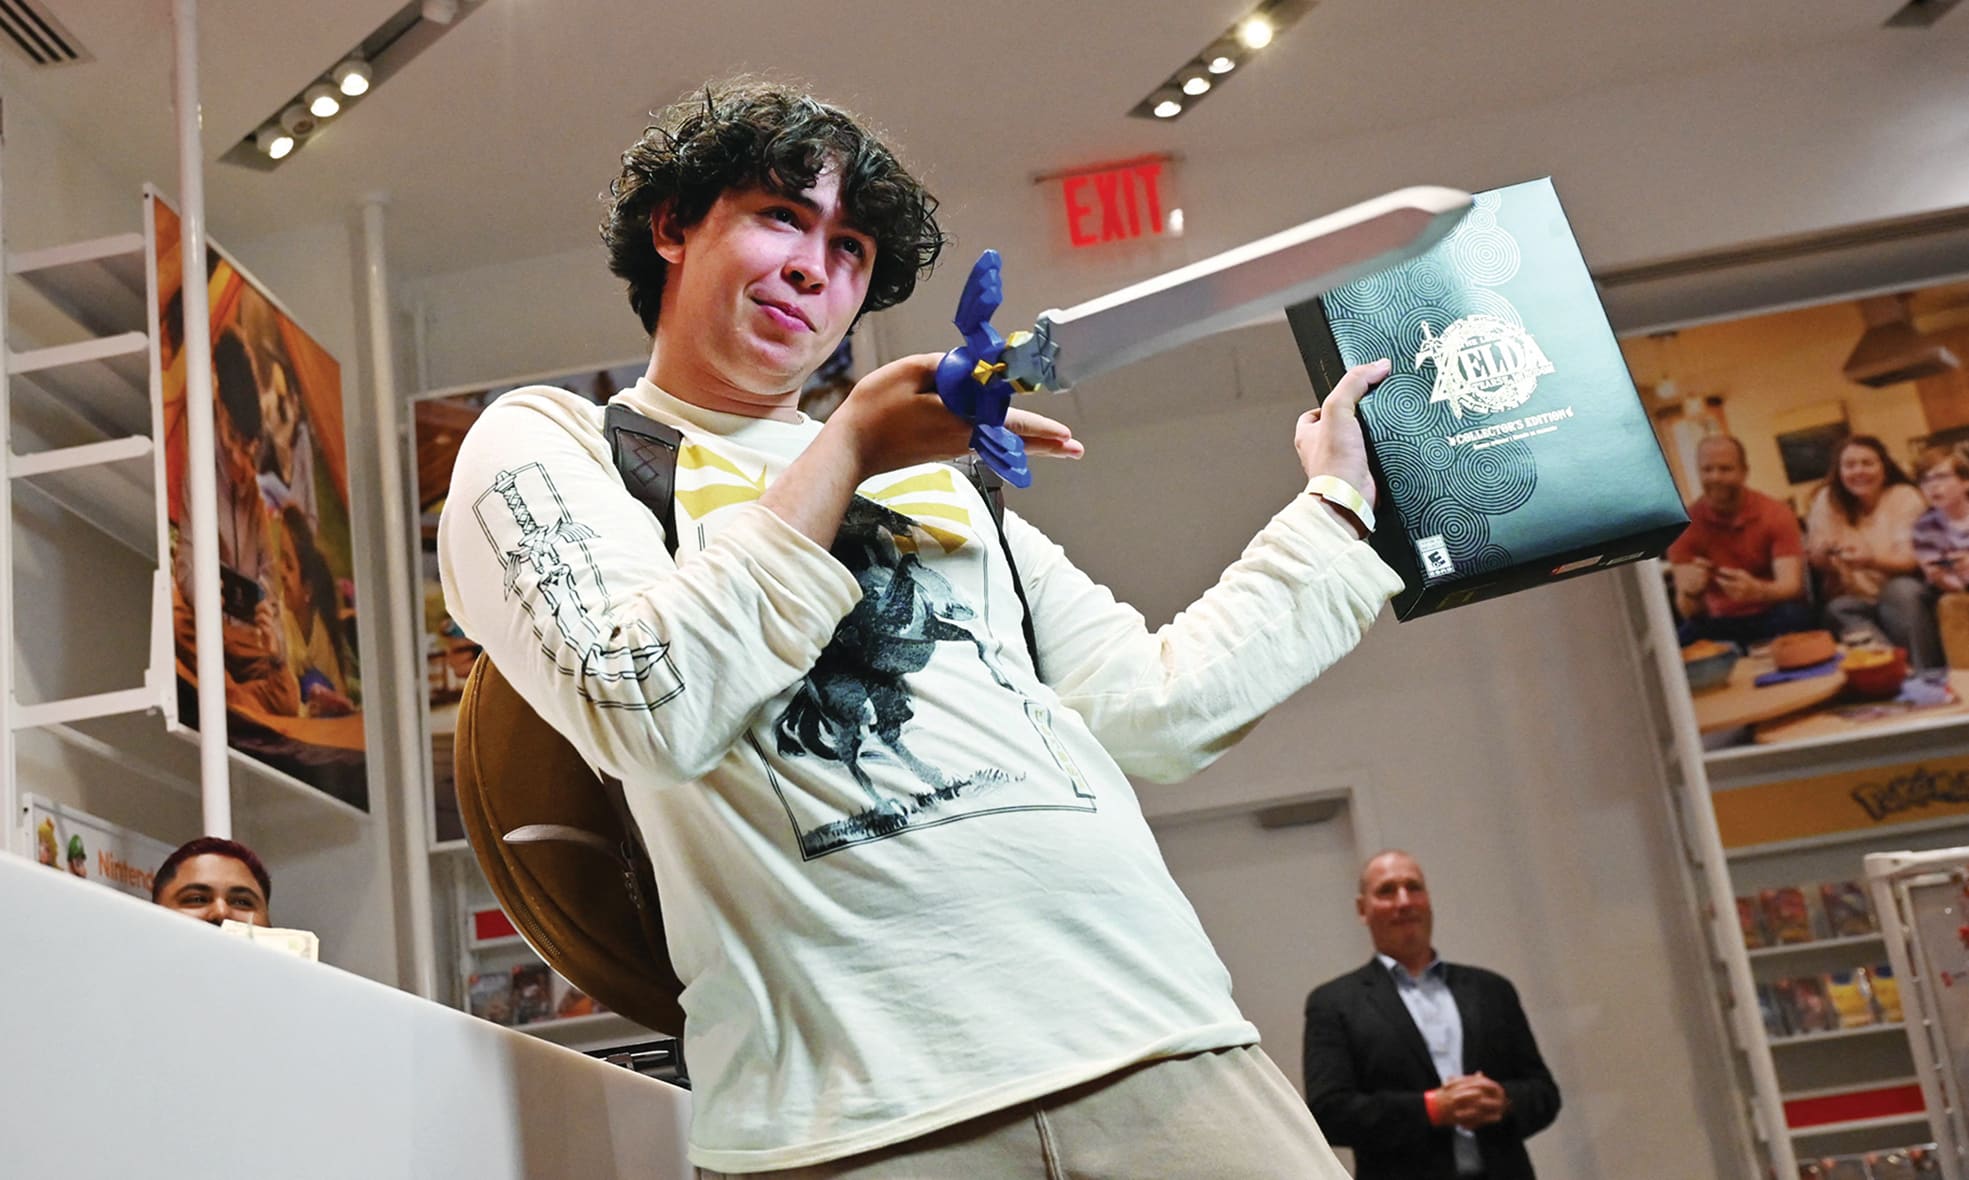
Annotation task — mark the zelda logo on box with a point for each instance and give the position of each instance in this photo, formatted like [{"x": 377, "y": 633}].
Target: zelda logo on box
[{"x": 1483, "y": 364}]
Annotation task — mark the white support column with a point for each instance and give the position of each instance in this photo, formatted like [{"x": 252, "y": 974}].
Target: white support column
[
  {"x": 406, "y": 750},
  {"x": 214, "y": 772},
  {"x": 1700, "y": 811},
  {"x": 10, "y": 826}
]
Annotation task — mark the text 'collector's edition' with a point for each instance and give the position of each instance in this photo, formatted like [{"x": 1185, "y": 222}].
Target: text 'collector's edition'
[{"x": 1508, "y": 443}]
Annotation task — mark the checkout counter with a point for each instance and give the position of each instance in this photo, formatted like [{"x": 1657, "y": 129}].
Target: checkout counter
[{"x": 137, "y": 1043}]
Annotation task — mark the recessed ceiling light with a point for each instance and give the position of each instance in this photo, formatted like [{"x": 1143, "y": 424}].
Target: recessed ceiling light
[
  {"x": 1255, "y": 32},
  {"x": 352, "y": 77},
  {"x": 1220, "y": 60},
  {"x": 1195, "y": 82},
  {"x": 1167, "y": 105}
]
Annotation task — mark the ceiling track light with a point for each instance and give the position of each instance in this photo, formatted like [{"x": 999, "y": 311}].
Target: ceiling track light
[
  {"x": 385, "y": 50},
  {"x": 274, "y": 141},
  {"x": 352, "y": 77},
  {"x": 323, "y": 102},
  {"x": 1255, "y": 31},
  {"x": 1208, "y": 70},
  {"x": 298, "y": 121}
]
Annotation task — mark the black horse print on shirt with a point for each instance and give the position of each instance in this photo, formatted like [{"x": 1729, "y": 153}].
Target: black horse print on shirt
[{"x": 855, "y": 705}]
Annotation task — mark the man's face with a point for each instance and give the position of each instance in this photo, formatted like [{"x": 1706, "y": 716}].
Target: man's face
[
  {"x": 1721, "y": 472},
  {"x": 1394, "y": 906},
  {"x": 759, "y": 293},
  {"x": 213, "y": 888}
]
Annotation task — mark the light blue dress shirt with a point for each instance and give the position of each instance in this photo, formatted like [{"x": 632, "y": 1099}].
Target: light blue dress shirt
[{"x": 1429, "y": 1002}]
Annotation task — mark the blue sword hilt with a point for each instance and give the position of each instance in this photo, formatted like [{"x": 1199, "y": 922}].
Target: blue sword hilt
[{"x": 971, "y": 377}]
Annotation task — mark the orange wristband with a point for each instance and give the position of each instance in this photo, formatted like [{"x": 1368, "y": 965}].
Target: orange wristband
[{"x": 1429, "y": 1104}]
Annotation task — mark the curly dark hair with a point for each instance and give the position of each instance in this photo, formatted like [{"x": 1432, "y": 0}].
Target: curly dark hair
[{"x": 746, "y": 133}]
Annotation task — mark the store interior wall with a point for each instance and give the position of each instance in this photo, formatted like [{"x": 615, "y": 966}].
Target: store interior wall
[{"x": 1503, "y": 743}]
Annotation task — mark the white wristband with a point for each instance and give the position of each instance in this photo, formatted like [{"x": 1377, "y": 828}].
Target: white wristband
[{"x": 1341, "y": 494}]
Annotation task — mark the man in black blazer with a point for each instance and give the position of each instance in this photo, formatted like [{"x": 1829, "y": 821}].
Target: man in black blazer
[{"x": 1427, "y": 1069}]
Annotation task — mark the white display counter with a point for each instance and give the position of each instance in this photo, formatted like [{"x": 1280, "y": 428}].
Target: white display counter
[{"x": 137, "y": 1042}]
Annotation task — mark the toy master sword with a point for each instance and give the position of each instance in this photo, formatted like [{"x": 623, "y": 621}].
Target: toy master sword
[{"x": 978, "y": 378}]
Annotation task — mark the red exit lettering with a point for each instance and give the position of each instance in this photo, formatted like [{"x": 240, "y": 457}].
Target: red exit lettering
[{"x": 1115, "y": 205}]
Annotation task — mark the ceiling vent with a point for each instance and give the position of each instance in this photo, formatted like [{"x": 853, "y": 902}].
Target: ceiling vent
[
  {"x": 38, "y": 35},
  {"x": 1891, "y": 350}
]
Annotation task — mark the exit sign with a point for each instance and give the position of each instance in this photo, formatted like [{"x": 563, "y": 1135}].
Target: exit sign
[{"x": 1116, "y": 203}]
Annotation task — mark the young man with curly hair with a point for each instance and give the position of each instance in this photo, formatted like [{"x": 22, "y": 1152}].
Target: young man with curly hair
[{"x": 923, "y": 927}]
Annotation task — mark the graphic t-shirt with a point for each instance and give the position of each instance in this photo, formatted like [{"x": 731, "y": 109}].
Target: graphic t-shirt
[{"x": 905, "y": 881}]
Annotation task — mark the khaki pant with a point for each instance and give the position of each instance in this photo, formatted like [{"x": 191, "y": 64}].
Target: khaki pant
[{"x": 1225, "y": 1115}]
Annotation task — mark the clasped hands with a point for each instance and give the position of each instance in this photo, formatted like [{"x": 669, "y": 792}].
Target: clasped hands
[
  {"x": 1694, "y": 577},
  {"x": 1470, "y": 1101}
]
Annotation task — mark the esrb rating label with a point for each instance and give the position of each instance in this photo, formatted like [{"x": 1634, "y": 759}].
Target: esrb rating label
[{"x": 1435, "y": 556}]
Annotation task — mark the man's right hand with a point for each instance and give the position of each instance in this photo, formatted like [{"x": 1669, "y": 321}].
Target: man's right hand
[
  {"x": 1472, "y": 1101},
  {"x": 1692, "y": 577},
  {"x": 892, "y": 418},
  {"x": 895, "y": 419},
  {"x": 1328, "y": 437}
]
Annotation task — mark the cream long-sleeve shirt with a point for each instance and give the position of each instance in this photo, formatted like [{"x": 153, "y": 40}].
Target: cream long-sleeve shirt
[{"x": 905, "y": 881}]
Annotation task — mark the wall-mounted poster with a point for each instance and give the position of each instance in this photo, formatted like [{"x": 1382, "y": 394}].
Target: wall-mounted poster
[
  {"x": 1822, "y": 588},
  {"x": 286, "y": 570},
  {"x": 91, "y": 848},
  {"x": 441, "y": 419}
]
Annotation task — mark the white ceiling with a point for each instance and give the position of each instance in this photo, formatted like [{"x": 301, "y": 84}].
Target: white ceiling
[{"x": 493, "y": 144}]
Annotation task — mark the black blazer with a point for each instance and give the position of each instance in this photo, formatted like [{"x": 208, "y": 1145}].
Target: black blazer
[{"x": 1367, "y": 1067}]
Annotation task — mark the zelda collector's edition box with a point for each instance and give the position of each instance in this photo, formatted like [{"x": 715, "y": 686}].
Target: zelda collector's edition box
[{"x": 1508, "y": 443}]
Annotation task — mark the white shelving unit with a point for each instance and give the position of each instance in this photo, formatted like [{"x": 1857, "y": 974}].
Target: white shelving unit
[
  {"x": 1775, "y": 1071},
  {"x": 97, "y": 389},
  {"x": 96, "y": 394},
  {"x": 500, "y": 953},
  {"x": 1818, "y": 947}
]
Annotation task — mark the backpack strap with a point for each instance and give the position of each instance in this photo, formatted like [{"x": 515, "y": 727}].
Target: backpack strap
[
  {"x": 991, "y": 486},
  {"x": 645, "y": 453}
]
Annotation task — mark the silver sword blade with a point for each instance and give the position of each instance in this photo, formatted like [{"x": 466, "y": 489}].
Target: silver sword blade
[{"x": 1232, "y": 288}]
